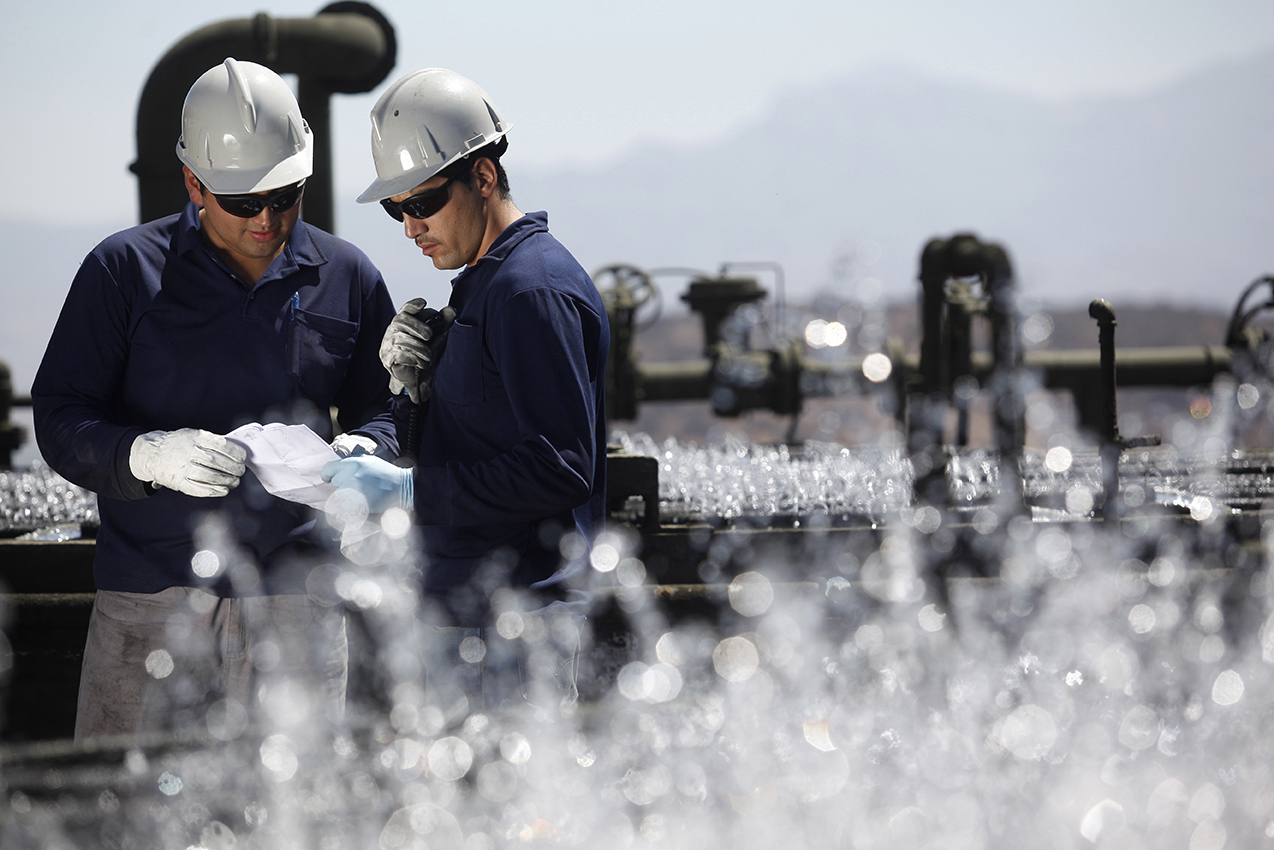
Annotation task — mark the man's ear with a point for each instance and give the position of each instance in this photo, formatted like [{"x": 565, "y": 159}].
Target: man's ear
[
  {"x": 193, "y": 186},
  {"x": 484, "y": 176}
]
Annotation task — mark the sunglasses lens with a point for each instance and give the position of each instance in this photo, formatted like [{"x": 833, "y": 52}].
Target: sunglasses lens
[
  {"x": 287, "y": 199},
  {"x": 250, "y": 206},
  {"x": 393, "y": 209},
  {"x": 425, "y": 204},
  {"x": 241, "y": 206},
  {"x": 420, "y": 206}
]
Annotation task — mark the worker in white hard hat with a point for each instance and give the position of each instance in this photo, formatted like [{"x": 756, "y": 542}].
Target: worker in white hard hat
[
  {"x": 173, "y": 334},
  {"x": 508, "y": 486}
]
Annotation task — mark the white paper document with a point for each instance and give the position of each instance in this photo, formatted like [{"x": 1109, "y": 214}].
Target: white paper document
[{"x": 287, "y": 460}]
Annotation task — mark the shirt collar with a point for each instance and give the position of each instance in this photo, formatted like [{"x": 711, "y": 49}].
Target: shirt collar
[
  {"x": 188, "y": 238},
  {"x": 509, "y": 238}
]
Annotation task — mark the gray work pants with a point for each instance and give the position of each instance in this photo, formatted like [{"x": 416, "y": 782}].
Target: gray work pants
[
  {"x": 479, "y": 670},
  {"x": 181, "y": 658}
]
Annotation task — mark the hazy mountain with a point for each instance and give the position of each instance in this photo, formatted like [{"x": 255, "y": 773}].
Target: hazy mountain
[{"x": 1162, "y": 197}]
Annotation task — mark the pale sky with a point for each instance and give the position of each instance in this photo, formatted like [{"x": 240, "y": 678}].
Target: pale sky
[{"x": 582, "y": 81}]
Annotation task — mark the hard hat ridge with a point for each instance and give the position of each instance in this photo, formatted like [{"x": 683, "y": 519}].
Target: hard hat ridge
[{"x": 247, "y": 108}]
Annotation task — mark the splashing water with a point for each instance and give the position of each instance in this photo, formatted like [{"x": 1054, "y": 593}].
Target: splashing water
[
  {"x": 39, "y": 498},
  {"x": 1111, "y": 688},
  {"x": 734, "y": 479}
]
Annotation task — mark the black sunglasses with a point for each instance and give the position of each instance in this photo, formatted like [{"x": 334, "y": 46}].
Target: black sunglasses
[
  {"x": 423, "y": 205},
  {"x": 250, "y": 206}
]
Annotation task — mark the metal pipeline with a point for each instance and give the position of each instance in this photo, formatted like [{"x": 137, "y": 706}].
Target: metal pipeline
[
  {"x": 1080, "y": 370},
  {"x": 347, "y": 47},
  {"x": 945, "y": 352},
  {"x": 735, "y": 379},
  {"x": 11, "y": 436},
  {"x": 732, "y": 376},
  {"x": 1101, "y": 310},
  {"x": 960, "y": 278}
]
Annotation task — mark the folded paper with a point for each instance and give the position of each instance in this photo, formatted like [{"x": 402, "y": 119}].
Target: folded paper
[{"x": 286, "y": 459}]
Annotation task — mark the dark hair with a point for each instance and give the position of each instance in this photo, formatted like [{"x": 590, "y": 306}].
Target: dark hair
[{"x": 462, "y": 169}]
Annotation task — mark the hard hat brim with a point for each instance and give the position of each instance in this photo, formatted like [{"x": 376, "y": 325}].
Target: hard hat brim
[
  {"x": 247, "y": 181},
  {"x": 388, "y": 188}
]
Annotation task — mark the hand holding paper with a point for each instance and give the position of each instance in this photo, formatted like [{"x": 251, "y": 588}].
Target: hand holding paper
[{"x": 287, "y": 460}]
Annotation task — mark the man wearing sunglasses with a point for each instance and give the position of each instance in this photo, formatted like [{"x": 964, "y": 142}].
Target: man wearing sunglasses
[
  {"x": 508, "y": 486},
  {"x": 173, "y": 334}
]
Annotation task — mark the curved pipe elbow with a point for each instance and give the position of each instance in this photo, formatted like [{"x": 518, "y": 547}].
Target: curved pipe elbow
[{"x": 347, "y": 47}]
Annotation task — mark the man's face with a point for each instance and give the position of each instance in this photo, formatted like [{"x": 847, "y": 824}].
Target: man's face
[
  {"x": 451, "y": 237},
  {"x": 250, "y": 241}
]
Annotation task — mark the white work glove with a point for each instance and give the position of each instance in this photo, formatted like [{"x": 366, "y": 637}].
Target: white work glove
[
  {"x": 382, "y": 484},
  {"x": 190, "y": 461},
  {"x": 353, "y": 445},
  {"x": 410, "y": 347}
]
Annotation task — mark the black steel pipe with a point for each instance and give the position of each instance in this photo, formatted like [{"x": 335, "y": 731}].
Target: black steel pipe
[
  {"x": 11, "y": 436},
  {"x": 1101, "y": 310},
  {"x": 346, "y": 47},
  {"x": 948, "y": 303},
  {"x": 963, "y": 256},
  {"x": 1079, "y": 370},
  {"x": 1164, "y": 366},
  {"x": 1108, "y": 426},
  {"x": 690, "y": 380}
]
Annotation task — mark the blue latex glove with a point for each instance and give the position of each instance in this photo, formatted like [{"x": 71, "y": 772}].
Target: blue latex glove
[{"x": 382, "y": 484}]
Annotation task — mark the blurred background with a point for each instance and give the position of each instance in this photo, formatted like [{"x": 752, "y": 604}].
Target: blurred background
[{"x": 1113, "y": 148}]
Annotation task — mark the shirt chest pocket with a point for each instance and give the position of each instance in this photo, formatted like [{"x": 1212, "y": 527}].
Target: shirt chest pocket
[
  {"x": 458, "y": 381},
  {"x": 319, "y": 349}
]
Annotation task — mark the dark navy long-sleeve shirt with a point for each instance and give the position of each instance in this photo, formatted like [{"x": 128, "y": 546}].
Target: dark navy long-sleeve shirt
[
  {"x": 513, "y": 443},
  {"x": 158, "y": 334}
]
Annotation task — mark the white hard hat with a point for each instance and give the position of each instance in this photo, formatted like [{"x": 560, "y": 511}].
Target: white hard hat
[
  {"x": 242, "y": 131},
  {"x": 424, "y": 122}
]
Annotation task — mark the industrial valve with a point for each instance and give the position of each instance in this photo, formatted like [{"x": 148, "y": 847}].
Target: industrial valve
[{"x": 732, "y": 375}]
